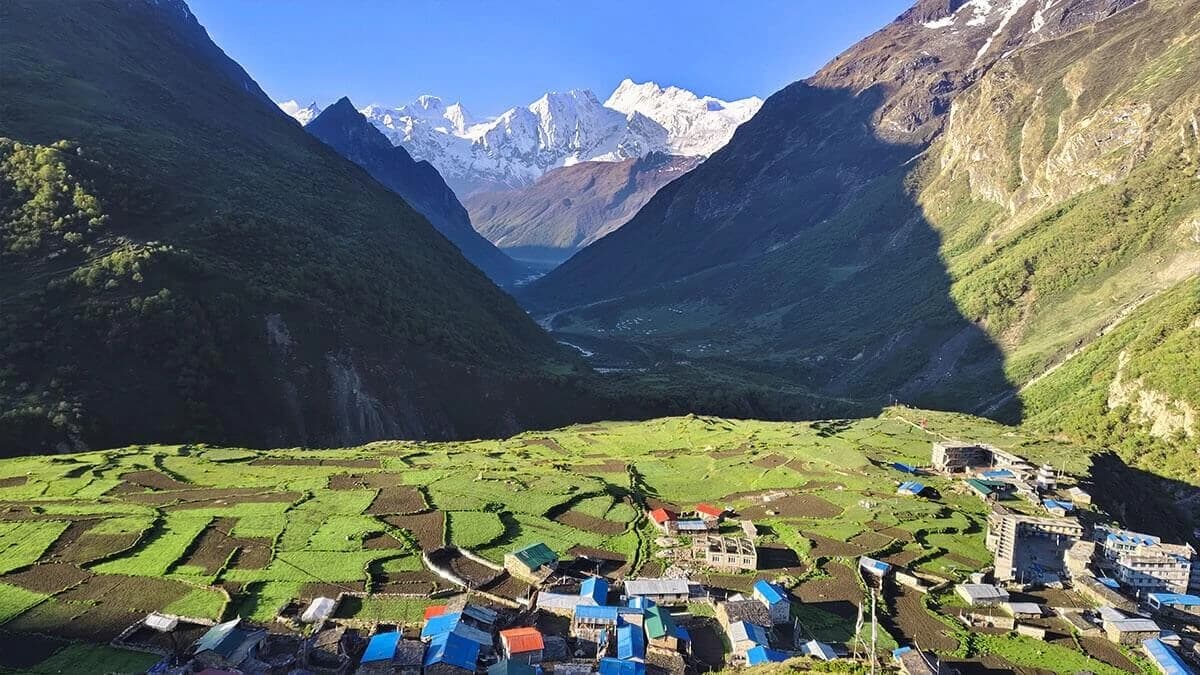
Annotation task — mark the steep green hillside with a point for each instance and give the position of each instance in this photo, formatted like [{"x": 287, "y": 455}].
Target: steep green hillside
[
  {"x": 828, "y": 244},
  {"x": 188, "y": 263}
]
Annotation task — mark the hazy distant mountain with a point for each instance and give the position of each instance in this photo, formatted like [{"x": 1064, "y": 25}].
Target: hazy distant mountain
[
  {"x": 572, "y": 206},
  {"x": 515, "y": 148}
]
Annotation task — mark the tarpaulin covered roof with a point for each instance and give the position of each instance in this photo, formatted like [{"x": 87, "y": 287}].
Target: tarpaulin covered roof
[
  {"x": 769, "y": 591},
  {"x": 318, "y": 610},
  {"x": 382, "y": 647}
]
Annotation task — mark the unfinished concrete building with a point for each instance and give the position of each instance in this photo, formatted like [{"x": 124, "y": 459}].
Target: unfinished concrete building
[
  {"x": 1027, "y": 548},
  {"x": 725, "y": 553}
]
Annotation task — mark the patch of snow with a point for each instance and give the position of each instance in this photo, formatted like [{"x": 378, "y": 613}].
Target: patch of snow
[
  {"x": 1013, "y": 7},
  {"x": 302, "y": 114}
]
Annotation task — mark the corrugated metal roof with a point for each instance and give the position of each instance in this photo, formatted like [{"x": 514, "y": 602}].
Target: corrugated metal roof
[
  {"x": 709, "y": 510},
  {"x": 818, "y": 650},
  {"x": 740, "y": 630},
  {"x": 983, "y": 592},
  {"x": 691, "y": 526},
  {"x": 906, "y": 468},
  {"x": 656, "y": 587},
  {"x": 535, "y": 555},
  {"x": 453, "y": 649},
  {"x": 611, "y": 666},
  {"x": 1134, "y": 625},
  {"x": 453, "y": 623},
  {"x": 771, "y": 593},
  {"x": 1175, "y": 599},
  {"x": 596, "y": 613},
  {"x": 631, "y": 642},
  {"x": 596, "y": 589},
  {"x": 434, "y": 610},
  {"x": 1165, "y": 658},
  {"x": 214, "y": 636},
  {"x": 640, "y": 602},
  {"x": 659, "y": 623},
  {"x": 661, "y": 516},
  {"x": 161, "y": 622},
  {"x": 759, "y": 655},
  {"x": 481, "y": 614},
  {"x": 911, "y": 487},
  {"x": 520, "y": 640},
  {"x": 382, "y": 647},
  {"x": 559, "y": 600}
]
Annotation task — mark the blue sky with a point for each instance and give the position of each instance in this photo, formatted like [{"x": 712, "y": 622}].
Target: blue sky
[{"x": 494, "y": 55}]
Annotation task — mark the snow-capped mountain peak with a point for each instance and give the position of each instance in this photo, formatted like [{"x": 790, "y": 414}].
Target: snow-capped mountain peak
[
  {"x": 560, "y": 128},
  {"x": 695, "y": 125},
  {"x": 302, "y": 114}
]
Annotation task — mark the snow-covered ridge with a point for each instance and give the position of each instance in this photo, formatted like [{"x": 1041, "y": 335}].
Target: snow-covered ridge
[
  {"x": 302, "y": 114},
  {"x": 559, "y": 129}
]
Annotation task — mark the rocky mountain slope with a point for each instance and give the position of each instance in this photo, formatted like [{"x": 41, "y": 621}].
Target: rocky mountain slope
[
  {"x": 345, "y": 129},
  {"x": 942, "y": 214},
  {"x": 517, "y": 147},
  {"x": 210, "y": 271},
  {"x": 573, "y": 206}
]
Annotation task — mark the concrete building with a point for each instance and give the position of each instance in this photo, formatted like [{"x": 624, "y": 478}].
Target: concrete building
[
  {"x": 956, "y": 457},
  {"x": 1029, "y": 549},
  {"x": 1130, "y": 630},
  {"x": 725, "y": 552},
  {"x": 1177, "y": 606},
  {"x": 1142, "y": 562}
]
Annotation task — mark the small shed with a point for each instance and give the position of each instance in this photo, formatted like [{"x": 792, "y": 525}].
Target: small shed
[
  {"x": 1079, "y": 496},
  {"x": 318, "y": 610},
  {"x": 163, "y": 623},
  {"x": 1058, "y": 507},
  {"x": 1130, "y": 631},
  {"x": 709, "y": 512},
  {"x": 745, "y": 636},
  {"x": 982, "y": 595},
  {"x": 593, "y": 624},
  {"x": 818, "y": 650},
  {"x": 910, "y": 488},
  {"x": 228, "y": 644},
  {"x": 664, "y": 520},
  {"x": 775, "y": 599},
  {"x": 611, "y": 666},
  {"x": 594, "y": 590},
  {"x": 533, "y": 563},
  {"x": 1024, "y": 610},
  {"x": 874, "y": 567},
  {"x": 522, "y": 645}
]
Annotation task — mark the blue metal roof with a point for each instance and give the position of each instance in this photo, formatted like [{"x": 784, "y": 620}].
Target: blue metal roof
[
  {"x": 440, "y": 624},
  {"x": 874, "y": 566},
  {"x": 912, "y": 487},
  {"x": 1175, "y": 599},
  {"x": 596, "y": 589},
  {"x": 454, "y": 650},
  {"x": 1165, "y": 658},
  {"x": 1135, "y": 538},
  {"x": 769, "y": 592},
  {"x": 596, "y": 613},
  {"x": 611, "y": 666},
  {"x": 998, "y": 473},
  {"x": 906, "y": 468},
  {"x": 631, "y": 642},
  {"x": 682, "y": 634},
  {"x": 754, "y": 633},
  {"x": 1110, "y": 582},
  {"x": 1054, "y": 503},
  {"x": 760, "y": 655},
  {"x": 382, "y": 647},
  {"x": 640, "y": 602}
]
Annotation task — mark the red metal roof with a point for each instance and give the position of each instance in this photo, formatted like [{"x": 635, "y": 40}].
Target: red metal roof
[
  {"x": 709, "y": 510},
  {"x": 520, "y": 640},
  {"x": 434, "y": 610},
  {"x": 661, "y": 516}
]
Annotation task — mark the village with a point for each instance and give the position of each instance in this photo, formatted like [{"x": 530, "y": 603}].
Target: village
[{"x": 1058, "y": 567}]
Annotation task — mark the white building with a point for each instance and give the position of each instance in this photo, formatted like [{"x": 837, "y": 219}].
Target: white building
[{"x": 1142, "y": 562}]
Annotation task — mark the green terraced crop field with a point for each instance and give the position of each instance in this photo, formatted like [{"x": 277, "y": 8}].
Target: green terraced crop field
[{"x": 90, "y": 543}]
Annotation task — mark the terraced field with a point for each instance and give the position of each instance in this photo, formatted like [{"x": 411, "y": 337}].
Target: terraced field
[{"x": 90, "y": 543}]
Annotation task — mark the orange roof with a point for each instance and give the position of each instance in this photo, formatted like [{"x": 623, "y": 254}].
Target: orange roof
[
  {"x": 434, "y": 610},
  {"x": 709, "y": 510},
  {"x": 661, "y": 515},
  {"x": 520, "y": 640}
]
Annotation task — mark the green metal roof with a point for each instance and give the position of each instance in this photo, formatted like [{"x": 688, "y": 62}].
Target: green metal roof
[
  {"x": 659, "y": 622},
  {"x": 534, "y": 556}
]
